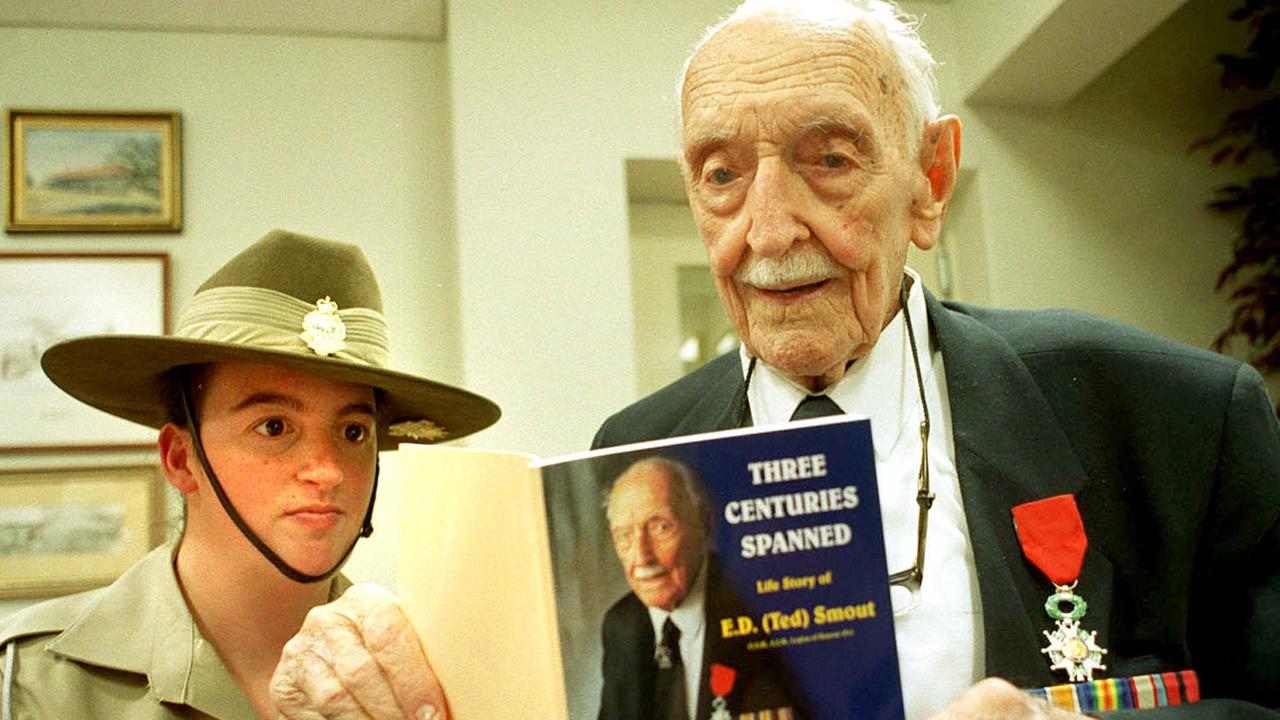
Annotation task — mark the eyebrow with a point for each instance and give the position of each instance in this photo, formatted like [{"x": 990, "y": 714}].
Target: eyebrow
[
  {"x": 839, "y": 115},
  {"x": 664, "y": 511},
  {"x": 699, "y": 145},
  {"x": 857, "y": 126},
  {"x": 293, "y": 403},
  {"x": 701, "y": 142}
]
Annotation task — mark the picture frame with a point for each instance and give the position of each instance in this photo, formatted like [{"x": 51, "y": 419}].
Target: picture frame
[
  {"x": 49, "y": 297},
  {"x": 99, "y": 171},
  {"x": 67, "y": 530}
]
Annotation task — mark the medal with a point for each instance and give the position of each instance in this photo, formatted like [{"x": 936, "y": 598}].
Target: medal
[
  {"x": 1071, "y": 648},
  {"x": 722, "y": 677},
  {"x": 662, "y": 656},
  {"x": 1053, "y": 539}
]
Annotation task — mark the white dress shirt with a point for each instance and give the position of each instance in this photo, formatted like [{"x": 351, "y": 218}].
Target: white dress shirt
[{"x": 939, "y": 627}]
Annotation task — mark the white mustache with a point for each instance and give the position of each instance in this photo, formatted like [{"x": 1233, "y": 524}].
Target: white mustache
[
  {"x": 646, "y": 572},
  {"x": 803, "y": 265}
]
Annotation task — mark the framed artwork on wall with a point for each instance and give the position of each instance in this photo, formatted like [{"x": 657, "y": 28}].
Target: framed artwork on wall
[
  {"x": 103, "y": 171},
  {"x": 62, "y": 531},
  {"x": 46, "y": 298}
]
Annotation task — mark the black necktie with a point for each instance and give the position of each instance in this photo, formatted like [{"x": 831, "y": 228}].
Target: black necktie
[
  {"x": 668, "y": 688},
  {"x": 816, "y": 406}
]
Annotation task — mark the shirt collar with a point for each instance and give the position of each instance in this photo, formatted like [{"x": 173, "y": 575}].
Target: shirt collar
[
  {"x": 141, "y": 624},
  {"x": 880, "y": 385},
  {"x": 688, "y": 615}
]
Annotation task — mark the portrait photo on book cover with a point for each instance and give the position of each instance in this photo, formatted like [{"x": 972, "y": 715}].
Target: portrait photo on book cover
[{"x": 736, "y": 577}]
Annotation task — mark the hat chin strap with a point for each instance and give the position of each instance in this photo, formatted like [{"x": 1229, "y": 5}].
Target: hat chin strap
[{"x": 285, "y": 568}]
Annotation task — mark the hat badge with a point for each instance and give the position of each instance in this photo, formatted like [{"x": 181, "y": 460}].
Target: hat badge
[
  {"x": 422, "y": 430},
  {"x": 322, "y": 330}
]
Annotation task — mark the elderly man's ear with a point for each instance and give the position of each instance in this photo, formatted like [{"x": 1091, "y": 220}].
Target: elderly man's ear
[{"x": 939, "y": 161}]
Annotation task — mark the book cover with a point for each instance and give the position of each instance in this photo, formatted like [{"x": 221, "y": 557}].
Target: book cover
[{"x": 532, "y": 581}]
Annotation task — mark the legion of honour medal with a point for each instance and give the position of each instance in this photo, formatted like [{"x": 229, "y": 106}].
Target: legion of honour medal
[
  {"x": 1053, "y": 539},
  {"x": 722, "y": 678}
]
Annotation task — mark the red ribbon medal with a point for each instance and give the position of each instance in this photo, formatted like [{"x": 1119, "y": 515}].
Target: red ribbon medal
[
  {"x": 722, "y": 678},
  {"x": 1052, "y": 536},
  {"x": 1053, "y": 539}
]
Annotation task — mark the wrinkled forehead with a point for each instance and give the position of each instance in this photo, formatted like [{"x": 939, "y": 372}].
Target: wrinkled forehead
[
  {"x": 641, "y": 492},
  {"x": 753, "y": 70}
]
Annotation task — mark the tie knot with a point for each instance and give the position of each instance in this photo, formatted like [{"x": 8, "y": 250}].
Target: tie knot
[
  {"x": 670, "y": 633},
  {"x": 816, "y": 406},
  {"x": 667, "y": 653}
]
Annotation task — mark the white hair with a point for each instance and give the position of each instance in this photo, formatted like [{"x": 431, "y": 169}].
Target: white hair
[
  {"x": 897, "y": 28},
  {"x": 691, "y": 495}
]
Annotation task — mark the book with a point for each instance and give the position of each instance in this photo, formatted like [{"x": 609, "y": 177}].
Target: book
[{"x": 510, "y": 568}]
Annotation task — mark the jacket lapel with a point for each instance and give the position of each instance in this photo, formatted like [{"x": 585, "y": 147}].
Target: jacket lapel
[
  {"x": 1010, "y": 450},
  {"x": 721, "y": 403}
]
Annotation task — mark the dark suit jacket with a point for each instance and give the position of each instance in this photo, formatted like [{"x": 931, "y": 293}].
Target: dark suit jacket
[
  {"x": 1172, "y": 453},
  {"x": 761, "y": 683}
]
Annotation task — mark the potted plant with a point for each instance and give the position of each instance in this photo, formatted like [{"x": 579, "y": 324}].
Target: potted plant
[{"x": 1252, "y": 133}]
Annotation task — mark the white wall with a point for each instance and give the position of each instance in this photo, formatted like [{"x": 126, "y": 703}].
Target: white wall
[
  {"x": 550, "y": 98},
  {"x": 1096, "y": 205},
  {"x": 663, "y": 238},
  {"x": 346, "y": 139}
]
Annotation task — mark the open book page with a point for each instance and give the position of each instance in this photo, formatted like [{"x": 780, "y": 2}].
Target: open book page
[
  {"x": 475, "y": 579},
  {"x": 530, "y": 597}
]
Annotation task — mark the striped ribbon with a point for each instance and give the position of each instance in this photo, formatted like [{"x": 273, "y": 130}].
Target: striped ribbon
[
  {"x": 1138, "y": 692},
  {"x": 778, "y": 714}
]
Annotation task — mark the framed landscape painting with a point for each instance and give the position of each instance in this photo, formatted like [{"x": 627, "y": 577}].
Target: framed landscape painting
[
  {"x": 47, "y": 298},
  {"x": 62, "y": 531},
  {"x": 93, "y": 171}
]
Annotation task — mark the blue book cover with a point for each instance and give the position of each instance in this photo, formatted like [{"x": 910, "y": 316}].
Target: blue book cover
[{"x": 765, "y": 548}]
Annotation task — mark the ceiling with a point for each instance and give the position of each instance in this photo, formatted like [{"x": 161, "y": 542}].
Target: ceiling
[{"x": 403, "y": 19}]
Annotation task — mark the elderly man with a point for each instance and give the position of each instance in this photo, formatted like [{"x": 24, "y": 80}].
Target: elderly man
[
  {"x": 660, "y": 520},
  {"x": 272, "y": 401},
  {"x": 1093, "y": 501}
]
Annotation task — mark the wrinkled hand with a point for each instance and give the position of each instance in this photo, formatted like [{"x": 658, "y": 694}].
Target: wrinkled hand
[
  {"x": 995, "y": 698},
  {"x": 357, "y": 658}
]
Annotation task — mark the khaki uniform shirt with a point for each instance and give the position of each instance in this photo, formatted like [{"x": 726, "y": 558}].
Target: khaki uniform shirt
[{"x": 129, "y": 650}]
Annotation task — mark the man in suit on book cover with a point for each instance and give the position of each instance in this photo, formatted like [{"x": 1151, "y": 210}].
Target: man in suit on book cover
[
  {"x": 814, "y": 154},
  {"x": 662, "y": 640}
]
